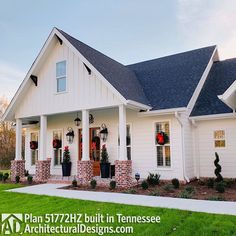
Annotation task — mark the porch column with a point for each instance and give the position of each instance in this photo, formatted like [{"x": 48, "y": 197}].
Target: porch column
[
  {"x": 18, "y": 165},
  {"x": 123, "y": 166},
  {"x": 85, "y": 165},
  {"x": 42, "y": 173}
]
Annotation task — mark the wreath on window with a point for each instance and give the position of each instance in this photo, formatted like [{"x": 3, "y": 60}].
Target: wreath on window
[
  {"x": 56, "y": 143},
  {"x": 33, "y": 145},
  {"x": 162, "y": 138}
]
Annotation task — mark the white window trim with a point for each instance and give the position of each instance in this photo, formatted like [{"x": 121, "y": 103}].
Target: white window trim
[
  {"x": 161, "y": 168},
  {"x": 219, "y": 148},
  {"x": 62, "y": 145},
  {"x": 66, "y": 76},
  {"x": 33, "y": 132}
]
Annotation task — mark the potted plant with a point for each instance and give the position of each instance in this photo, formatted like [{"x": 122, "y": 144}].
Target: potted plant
[
  {"x": 104, "y": 163},
  {"x": 66, "y": 163}
]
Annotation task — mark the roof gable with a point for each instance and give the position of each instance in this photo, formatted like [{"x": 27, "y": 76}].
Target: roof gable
[{"x": 170, "y": 82}]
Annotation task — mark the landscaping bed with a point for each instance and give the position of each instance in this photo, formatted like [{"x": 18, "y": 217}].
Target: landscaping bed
[{"x": 204, "y": 189}]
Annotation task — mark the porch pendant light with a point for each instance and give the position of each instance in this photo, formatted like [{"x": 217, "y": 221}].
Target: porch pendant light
[
  {"x": 104, "y": 132},
  {"x": 70, "y": 135},
  {"x": 77, "y": 120}
]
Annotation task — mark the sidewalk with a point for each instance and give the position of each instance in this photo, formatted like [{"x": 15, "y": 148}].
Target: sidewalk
[{"x": 218, "y": 207}]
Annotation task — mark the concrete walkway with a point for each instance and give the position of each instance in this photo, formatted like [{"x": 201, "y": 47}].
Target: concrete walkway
[{"x": 218, "y": 207}]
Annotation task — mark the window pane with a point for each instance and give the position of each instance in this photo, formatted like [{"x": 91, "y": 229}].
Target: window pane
[
  {"x": 61, "y": 84},
  {"x": 57, "y": 156},
  {"x": 219, "y": 143},
  {"x": 167, "y": 155},
  {"x": 159, "y": 156},
  {"x": 34, "y": 137},
  {"x": 34, "y": 156},
  {"x": 129, "y": 153},
  {"x": 128, "y": 138},
  {"x": 61, "y": 69}
]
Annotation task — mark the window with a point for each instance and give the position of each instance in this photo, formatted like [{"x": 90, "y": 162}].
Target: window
[
  {"x": 219, "y": 138},
  {"x": 61, "y": 76},
  {"x": 57, "y": 152},
  {"x": 163, "y": 151},
  {"x": 34, "y": 152},
  {"x": 128, "y": 142}
]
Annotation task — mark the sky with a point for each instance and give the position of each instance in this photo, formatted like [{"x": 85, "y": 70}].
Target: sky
[{"x": 129, "y": 31}]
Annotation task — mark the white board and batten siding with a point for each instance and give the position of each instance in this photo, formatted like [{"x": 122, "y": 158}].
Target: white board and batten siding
[
  {"x": 143, "y": 149},
  {"x": 206, "y": 148},
  {"x": 83, "y": 90}
]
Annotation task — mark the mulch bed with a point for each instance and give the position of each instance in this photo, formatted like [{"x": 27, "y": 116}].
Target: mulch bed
[{"x": 200, "y": 191}]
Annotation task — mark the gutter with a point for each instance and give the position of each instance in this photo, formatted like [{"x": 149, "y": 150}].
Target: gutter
[
  {"x": 183, "y": 148},
  {"x": 170, "y": 111}
]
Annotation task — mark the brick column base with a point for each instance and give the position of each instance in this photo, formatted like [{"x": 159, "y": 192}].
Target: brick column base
[
  {"x": 42, "y": 173},
  {"x": 85, "y": 171},
  {"x": 123, "y": 173},
  {"x": 17, "y": 169}
]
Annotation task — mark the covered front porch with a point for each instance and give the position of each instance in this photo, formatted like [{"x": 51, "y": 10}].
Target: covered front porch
[{"x": 44, "y": 161}]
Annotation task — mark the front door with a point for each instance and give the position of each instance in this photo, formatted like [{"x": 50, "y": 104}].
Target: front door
[{"x": 94, "y": 148}]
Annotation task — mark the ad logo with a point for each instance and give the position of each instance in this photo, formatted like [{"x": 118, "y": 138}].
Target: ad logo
[{"x": 11, "y": 223}]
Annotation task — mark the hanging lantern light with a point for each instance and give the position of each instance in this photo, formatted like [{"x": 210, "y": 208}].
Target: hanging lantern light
[
  {"x": 104, "y": 132},
  {"x": 77, "y": 120},
  {"x": 91, "y": 119},
  {"x": 70, "y": 135}
]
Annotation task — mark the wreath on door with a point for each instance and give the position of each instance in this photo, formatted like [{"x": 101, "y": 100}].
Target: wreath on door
[
  {"x": 33, "y": 145},
  {"x": 162, "y": 138}
]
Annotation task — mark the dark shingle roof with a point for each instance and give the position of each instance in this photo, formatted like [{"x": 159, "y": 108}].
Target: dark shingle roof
[
  {"x": 119, "y": 76},
  {"x": 170, "y": 82},
  {"x": 221, "y": 76}
]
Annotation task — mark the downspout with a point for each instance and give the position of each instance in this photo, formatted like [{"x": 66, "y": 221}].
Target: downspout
[{"x": 183, "y": 147}]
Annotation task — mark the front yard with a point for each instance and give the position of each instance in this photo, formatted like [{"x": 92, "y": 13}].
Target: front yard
[{"x": 173, "y": 222}]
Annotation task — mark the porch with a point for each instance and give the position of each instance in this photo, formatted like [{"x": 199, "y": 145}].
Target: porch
[{"x": 85, "y": 159}]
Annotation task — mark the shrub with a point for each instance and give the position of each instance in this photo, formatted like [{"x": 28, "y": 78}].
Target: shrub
[
  {"x": 113, "y": 184},
  {"x": 201, "y": 182},
  {"x": 219, "y": 177},
  {"x": 26, "y": 173},
  {"x": 220, "y": 187},
  {"x": 131, "y": 191},
  {"x": 153, "y": 179},
  {"x": 229, "y": 182},
  {"x": 30, "y": 179},
  {"x": 1, "y": 176},
  {"x": 144, "y": 184},
  {"x": 168, "y": 188},
  {"x": 190, "y": 189},
  {"x": 215, "y": 198},
  {"x": 93, "y": 183},
  {"x": 175, "y": 182},
  {"x": 185, "y": 194},
  {"x": 155, "y": 193},
  {"x": 5, "y": 177},
  {"x": 17, "y": 178},
  {"x": 74, "y": 183},
  {"x": 210, "y": 183}
]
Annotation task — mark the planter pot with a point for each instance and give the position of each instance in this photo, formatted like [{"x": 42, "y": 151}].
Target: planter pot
[
  {"x": 66, "y": 169},
  {"x": 105, "y": 170}
]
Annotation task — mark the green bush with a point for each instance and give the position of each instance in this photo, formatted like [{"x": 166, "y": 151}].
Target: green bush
[
  {"x": 93, "y": 183},
  {"x": 153, "y": 179},
  {"x": 113, "y": 184},
  {"x": 74, "y": 183},
  {"x": 201, "y": 182},
  {"x": 175, "y": 182},
  {"x": 229, "y": 182},
  {"x": 216, "y": 198},
  {"x": 144, "y": 184},
  {"x": 218, "y": 168},
  {"x": 1, "y": 176},
  {"x": 30, "y": 179},
  {"x": 185, "y": 194},
  {"x": 131, "y": 191},
  {"x": 190, "y": 189},
  {"x": 17, "y": 178},
  {"x": 220, "y": 187},
  {"x": 5, "y": 177},
  {"x": 210, "y": 183},
  {"x": 155, "y": 193},
  {"x": 169, "y": 188}
]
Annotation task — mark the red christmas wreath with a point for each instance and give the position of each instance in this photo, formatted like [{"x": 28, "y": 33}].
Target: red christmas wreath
[
  {"x": 56, "y": 143},
  {"x": 33, "y": 145},
  {"x": 162, "y": 138}
]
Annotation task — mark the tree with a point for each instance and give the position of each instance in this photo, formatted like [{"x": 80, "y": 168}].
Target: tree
[
  {"x": 219, "y": 177},
  {"x": 7, "y": 138}
]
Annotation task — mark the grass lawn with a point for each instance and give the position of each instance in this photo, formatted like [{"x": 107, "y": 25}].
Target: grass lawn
[{"x": 173, "y": 222}]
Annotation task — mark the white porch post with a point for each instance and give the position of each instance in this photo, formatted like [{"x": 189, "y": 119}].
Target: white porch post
[
  {"x": 85, "y": 135},
  {"x": 43, "y": 137},
  {"x": 18, "y": 139},
  {"x": 122, "y": 131}
]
